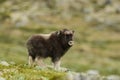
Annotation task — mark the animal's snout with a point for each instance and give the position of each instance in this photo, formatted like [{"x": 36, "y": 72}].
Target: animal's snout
[{"x": 71, "y": 43}]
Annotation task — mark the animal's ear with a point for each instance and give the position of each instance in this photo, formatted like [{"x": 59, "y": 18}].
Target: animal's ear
[{"x": 58, "y": 32}]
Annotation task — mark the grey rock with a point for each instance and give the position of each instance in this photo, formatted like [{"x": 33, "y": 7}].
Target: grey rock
[
  {"x": 70, "y": 76},
  {"x": 113, "y": 77},
  {"x": 77, "y": 76},
  {"x": 1, "y": 78},
  {"x": 4, "y": 63}
]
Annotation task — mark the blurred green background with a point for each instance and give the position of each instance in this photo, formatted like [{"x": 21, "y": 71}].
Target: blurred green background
[{"x": 96, "y": 24}]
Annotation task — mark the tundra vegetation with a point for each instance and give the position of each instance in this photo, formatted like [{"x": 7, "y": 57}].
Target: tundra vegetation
[{"x": 96, "y": 24}]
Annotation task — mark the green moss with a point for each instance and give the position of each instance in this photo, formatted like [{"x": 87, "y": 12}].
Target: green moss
[{"x": 24, "y": 72}]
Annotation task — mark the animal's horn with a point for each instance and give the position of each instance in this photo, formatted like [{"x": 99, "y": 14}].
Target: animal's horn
[{"x": 71, "y": 43}]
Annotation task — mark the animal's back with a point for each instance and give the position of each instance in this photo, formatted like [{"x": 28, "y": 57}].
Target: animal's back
[
  {"x": 36, "y": 45},
  {"x": 37, "y": 39}
]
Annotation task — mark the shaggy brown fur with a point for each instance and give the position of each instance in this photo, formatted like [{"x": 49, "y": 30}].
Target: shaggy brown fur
[{"x": 52, "y": 45}]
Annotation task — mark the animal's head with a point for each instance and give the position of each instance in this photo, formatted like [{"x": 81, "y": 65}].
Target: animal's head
[{"x": 66, "y": 36}]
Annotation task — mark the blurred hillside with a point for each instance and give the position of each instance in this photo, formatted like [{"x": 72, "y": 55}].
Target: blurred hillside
[
  {"x": 96, "y": 24},
  {"x": 100, "y": 13}
]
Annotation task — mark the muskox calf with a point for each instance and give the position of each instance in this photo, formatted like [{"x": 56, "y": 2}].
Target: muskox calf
[{"x": 52, "y": 45}]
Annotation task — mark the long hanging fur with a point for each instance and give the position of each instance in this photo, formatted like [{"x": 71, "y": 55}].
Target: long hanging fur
[{"x": 53, "y": 45}]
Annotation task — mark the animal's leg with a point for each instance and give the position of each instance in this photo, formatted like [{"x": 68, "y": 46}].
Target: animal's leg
[
  {"x": 56, "y": 64},
  {"x": 30, "y": 61},
  {"x": 39, "y": 61}
]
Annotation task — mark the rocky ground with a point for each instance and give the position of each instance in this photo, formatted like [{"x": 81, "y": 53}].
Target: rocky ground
[{"x": 12, "y": 71}]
